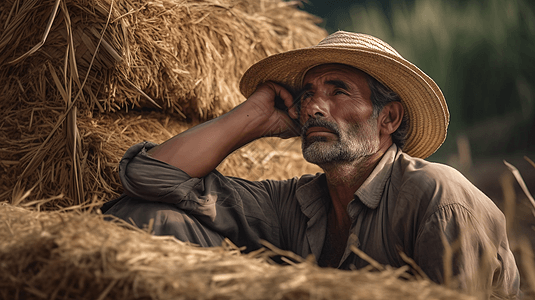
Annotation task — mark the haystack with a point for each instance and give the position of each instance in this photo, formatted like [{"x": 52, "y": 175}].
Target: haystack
[
  {"x": 80, "y": 78},
  {"x": 185, "y": 57},
  {"x": 73, "y": 255}
]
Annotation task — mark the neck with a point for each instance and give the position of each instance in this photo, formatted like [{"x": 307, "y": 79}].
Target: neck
[{"x": 345, "y": 178}]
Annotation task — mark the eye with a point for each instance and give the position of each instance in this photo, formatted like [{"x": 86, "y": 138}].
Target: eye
[
  {"x": 305, "y": 96},
  {"x": 340, "y": 92}
]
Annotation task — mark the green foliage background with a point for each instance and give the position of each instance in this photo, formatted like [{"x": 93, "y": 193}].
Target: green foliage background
[{"x": 481, "y": 54}]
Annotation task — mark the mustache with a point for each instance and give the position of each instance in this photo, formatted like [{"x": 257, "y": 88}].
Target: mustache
[{"x": 331, "y": 126}]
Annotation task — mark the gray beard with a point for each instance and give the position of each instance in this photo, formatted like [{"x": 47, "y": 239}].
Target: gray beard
[{"x": 357, "y": 143}]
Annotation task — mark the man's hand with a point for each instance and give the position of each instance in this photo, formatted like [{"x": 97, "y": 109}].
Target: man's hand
[{"x": 273, "y": 121}]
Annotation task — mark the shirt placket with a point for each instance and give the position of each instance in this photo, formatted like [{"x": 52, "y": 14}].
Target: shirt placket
[{"x": 355, "y": 207}]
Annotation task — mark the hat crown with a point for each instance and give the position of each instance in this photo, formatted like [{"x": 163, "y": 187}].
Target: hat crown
[{"x": 352, "y": 40}]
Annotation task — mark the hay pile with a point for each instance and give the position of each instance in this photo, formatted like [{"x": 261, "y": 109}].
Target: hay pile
[
  {"x": 183, "y": 56},
  {"x": 73, "y": 255},
  {"x": 84, "y": 80}
]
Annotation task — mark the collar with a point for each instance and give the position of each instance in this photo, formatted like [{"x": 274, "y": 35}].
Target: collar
[
  {"x": 312, "y": 194},
  {"x": 371, "y": 191}
]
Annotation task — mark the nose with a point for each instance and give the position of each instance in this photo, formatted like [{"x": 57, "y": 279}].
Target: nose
[{"x": 315, "y": 107}]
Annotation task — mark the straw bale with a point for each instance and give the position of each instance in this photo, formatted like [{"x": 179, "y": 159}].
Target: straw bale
[
  {"x": 102, "y": 140},
  {"x": 81, "y": 170},
  {"x": 185, "y": 57},
  {"x": 77, "y": 73},
  {"x": 75, "y": 255}
]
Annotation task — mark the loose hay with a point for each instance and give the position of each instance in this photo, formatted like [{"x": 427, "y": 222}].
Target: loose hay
[
  {"x": 72, "y": 71},
  {"x": 73, "y": 255}
]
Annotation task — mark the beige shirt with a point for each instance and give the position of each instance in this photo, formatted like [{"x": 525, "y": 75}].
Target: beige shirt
[{"x": 425, "y": 210}]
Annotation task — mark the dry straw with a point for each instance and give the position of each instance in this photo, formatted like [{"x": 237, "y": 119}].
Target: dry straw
[
  {"x": 73, "y": 255},
  {"x": 519, "y": 212},
  {"x": 183, "y": 56},
  {"x": 76, "y": 74}
]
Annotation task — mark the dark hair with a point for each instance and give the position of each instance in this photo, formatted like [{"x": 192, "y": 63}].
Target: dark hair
[{"x": 382, "y": 95}]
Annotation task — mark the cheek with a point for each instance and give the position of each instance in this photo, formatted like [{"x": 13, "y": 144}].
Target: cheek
[
  {"x": 356, "y": 115},
  {"x": 348, "y": 116}
]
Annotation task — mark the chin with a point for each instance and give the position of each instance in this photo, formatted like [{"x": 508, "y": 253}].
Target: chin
[
  {"x": 315, "y": 141},
  {"x": 319, "y": 153}
]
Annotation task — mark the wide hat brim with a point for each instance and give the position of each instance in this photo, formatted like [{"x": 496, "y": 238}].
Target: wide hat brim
[{"x": 421, "y": 97}]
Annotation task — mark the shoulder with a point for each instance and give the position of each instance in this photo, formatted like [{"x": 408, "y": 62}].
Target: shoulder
[
  {"x": 411, "y": 170},
  {"x": 437, "y": 186}
]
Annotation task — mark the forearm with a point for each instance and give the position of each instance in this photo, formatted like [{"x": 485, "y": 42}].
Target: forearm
[{"x": 199, "y": 150}]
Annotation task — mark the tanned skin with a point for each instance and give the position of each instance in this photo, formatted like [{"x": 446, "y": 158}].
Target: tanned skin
[{"x": 335, "y": 93}]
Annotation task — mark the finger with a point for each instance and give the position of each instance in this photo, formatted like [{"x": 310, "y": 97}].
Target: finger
[{"x": 287, "y": 98}]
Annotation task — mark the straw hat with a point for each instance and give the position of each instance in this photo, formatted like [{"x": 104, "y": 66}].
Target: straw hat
[{"x": 420, "y": 95}]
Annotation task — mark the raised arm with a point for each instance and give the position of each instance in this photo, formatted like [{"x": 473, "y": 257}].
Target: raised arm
[{"x": 199, "y": 150}]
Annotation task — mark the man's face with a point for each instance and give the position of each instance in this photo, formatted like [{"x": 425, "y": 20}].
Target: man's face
[{"x": 337, "y": 115}]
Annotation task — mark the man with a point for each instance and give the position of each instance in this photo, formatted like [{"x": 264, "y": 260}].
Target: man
[{"x": 368, "y": 118}]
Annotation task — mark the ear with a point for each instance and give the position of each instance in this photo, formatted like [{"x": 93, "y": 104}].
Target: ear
[{"x": 390, "y": 117}]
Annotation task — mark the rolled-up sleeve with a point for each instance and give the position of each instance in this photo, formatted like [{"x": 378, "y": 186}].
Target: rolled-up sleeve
[
  {"x": 239, "y": 209},
  {"x": 150, "y": 179}
]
